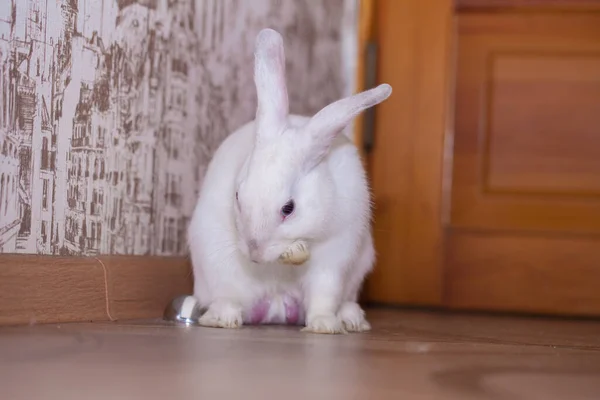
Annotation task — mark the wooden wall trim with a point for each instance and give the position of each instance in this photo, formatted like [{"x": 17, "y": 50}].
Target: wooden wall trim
[
  {"x": 407, "y": 163},
  {"x": 46, "y": 289}
]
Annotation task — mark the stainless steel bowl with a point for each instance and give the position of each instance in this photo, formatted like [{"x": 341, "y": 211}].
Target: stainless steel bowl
[{"x": 183, "y": 310}]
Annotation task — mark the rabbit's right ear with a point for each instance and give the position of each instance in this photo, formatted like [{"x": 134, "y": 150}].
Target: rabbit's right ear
[
  {"x": 325, "y": 125},
  {"x": 269, "y": 78}
]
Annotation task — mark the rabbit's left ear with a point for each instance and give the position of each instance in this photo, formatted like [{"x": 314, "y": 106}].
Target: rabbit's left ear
[
  {"x": 324, "y": 126},
  {"x": 269, "y": 78}
]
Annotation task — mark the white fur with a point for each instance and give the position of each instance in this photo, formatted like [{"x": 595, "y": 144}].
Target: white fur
[{"x": 269, "y": 161}]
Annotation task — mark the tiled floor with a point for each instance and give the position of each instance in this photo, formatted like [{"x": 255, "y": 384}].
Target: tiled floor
[{"x": 409, "y": 355}]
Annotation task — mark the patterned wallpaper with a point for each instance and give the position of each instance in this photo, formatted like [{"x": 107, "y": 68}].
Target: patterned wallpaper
[{"x": 110, "y": 110}]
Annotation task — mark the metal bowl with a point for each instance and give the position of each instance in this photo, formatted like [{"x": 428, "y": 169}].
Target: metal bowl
[{"x": 183, "y": 310}]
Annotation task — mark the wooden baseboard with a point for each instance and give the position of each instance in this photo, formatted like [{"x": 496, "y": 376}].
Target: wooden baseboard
[{"x": 47, "y": 289}]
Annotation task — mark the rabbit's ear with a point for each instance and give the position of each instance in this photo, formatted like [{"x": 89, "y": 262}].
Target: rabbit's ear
[
  {"x": 324, "y": 126},
  {"x": 269, "y": 78}
]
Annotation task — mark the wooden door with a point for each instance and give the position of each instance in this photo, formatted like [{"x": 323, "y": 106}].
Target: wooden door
[{"x": 488, "y": 193}]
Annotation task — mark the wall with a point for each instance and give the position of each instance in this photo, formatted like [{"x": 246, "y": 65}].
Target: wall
[{"x": 110, "y": 110}]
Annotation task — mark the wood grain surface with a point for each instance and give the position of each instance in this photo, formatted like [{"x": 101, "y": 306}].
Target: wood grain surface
[
  {"x": 525, "y": 220},
  {"x": 406, "y": 165},
  {"x": 408, "y": 355},
  {"x": 534, "y": 5},
  {"x": 42, "y": 289},
  {"x": 523, "y": 273}
]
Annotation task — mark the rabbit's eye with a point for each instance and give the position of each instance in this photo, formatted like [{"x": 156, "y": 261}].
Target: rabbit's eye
[
  {"x": 288, "y": 208},
  {"x": 236, "y": 196}
]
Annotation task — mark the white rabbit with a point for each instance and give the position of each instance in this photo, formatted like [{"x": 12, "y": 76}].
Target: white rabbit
[{"x": 279, "y": 180}]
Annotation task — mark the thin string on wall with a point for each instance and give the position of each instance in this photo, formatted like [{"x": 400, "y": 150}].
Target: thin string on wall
[{"x": 106, "y": 289}]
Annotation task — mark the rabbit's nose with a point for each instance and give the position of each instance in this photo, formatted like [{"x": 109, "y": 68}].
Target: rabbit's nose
[
  {"x": 253, "y": 250},
  {"x": 252, "y": 245}
]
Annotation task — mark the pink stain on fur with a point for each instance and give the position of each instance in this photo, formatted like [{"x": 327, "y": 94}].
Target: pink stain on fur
[
  {"x": 292, "y": 310},
  {"x": 259, "y": 313}
]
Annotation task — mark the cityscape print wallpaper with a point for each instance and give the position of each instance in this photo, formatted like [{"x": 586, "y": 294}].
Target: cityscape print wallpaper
[{"x": 110, "y": 110}]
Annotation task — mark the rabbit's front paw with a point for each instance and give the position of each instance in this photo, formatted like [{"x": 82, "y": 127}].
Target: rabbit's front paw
[
  {"x": 329, "y": 324},
  {"x": 222, "y": 315},
  {"x": 353, "y": 317},
  {"x": 296, "y": 254}
]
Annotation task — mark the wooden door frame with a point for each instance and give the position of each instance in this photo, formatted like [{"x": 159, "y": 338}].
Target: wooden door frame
[{"x": 410, "y": 165}]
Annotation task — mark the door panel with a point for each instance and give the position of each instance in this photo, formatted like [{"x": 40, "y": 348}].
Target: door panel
[
  {"x": 524, "y": 273},
  {"x": 542, "y": 117},
  {"x": 527, "y": 136},
  {"x": 525, "y": 202},
  {"x": 561, "y": 5},
  {"x": 486, "y": 164}
]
